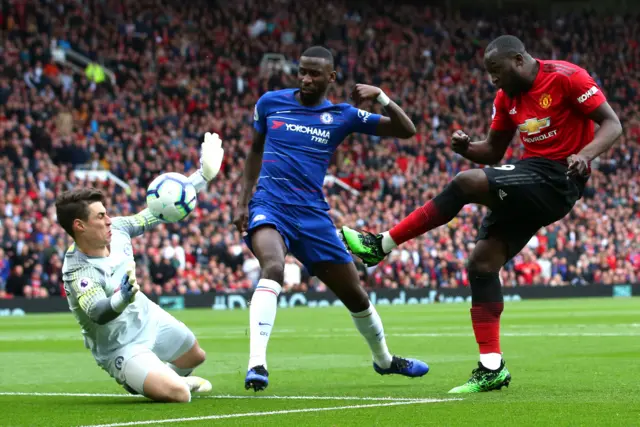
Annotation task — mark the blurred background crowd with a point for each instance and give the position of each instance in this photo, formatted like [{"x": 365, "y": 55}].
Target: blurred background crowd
[{"x": 181, "y": 69}]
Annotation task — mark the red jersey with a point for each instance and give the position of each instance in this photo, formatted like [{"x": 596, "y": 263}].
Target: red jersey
[{"x": 551, "y": 118}]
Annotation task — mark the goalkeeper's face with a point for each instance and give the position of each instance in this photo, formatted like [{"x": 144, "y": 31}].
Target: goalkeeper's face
[{"x": 96, "y": 230}]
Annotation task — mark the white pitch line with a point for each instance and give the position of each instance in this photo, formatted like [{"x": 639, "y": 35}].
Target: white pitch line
[
  {"x": 391, "y": 399},
  {"x": 260, "y": 414},
  {"x": 222, "y": 396},
  {"x": 20, "y": 393},
  {"x": 520, "y": 334},
  {"x": 618, "y": 330}
]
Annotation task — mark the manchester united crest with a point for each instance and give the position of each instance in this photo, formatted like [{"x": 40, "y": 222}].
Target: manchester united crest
[{"x": 545, "y": 101}]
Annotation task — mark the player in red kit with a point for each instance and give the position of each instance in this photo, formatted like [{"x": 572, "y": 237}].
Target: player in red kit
[{"x": 553, "y": 105}]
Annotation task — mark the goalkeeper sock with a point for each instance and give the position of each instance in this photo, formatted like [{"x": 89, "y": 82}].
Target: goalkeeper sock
[
  {"x": 436, "y": 212},
  {"x": 262, "y": 316},
  {"x": 369, "y": 324},
  {"x": 183, "y": 372}
]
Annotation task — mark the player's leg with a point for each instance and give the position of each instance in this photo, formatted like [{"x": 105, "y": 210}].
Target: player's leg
[
  {"x": 161, "y": 383},
  {"x": 184, "y": 366},
  {"x": 534, "y": 193},
  {"x": 270, "y": 248},
  {"x": 326, "y": 257},
  {"x": 176, "y": 344},
  {"x": 191, "y": 359},
  {"x": 500, "y": 239},
  {"x": 344, "y": 281},
  {"x": 471, "y": 186},
  {"x": 140, "y": 371}
]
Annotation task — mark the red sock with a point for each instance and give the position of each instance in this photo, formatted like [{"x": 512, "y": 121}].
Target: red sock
[
  {"x": 485, "y": 317},
  {"x": 436, "y": 212},
  {"x": 418, "y": 222}
]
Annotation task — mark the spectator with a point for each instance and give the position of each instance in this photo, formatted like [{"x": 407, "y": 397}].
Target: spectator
[
  {"x": 17, "y": 283},
  {"x": 169, "y": 93}
]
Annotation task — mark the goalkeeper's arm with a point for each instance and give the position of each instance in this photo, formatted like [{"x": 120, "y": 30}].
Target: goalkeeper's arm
[
  {"x": 89, "y": 289},
  {"x": 211, "y": 154},
  {"x": 136, "y": 225}
]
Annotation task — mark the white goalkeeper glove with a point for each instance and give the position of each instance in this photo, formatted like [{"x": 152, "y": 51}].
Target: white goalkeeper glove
[
  {"x": 211, "y": 154},
  {"x": 128, "y": 289}
]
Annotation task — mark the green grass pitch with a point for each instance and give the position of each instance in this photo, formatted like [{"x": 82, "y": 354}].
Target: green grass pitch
[{"x": 573, "y": 362}]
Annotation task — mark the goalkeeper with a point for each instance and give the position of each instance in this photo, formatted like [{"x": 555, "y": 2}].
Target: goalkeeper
[{"x": 139, "y": 344}]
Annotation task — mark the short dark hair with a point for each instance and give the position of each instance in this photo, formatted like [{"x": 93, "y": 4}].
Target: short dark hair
[
  {"x": 506, "y": 45},
  {"x": 74, "y": 204},
  {"x": 319, "y": 52}
]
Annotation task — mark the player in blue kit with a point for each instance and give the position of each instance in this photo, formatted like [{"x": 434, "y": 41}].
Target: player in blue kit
[{"x": 296, "y": 132}]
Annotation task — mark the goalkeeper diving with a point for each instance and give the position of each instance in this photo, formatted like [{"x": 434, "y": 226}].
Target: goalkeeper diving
[{"x": 144, "y": 348}]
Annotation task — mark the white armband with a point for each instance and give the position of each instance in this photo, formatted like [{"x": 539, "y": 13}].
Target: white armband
[{"x": 383, "y": 99}]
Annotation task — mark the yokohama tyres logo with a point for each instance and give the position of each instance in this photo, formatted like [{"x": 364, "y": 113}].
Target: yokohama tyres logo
[{"x": 308, "y": 130}]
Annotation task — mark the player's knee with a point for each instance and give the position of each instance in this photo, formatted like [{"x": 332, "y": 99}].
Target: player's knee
[
  {"x": 483, "y": 262},
  {"x": 356, "y": 301},
  {"x": 199, "y": 357},
  {"x": 178, "y": 392},
  {"x": 273, "y": 269},
  {"x": 472, "y": 181}
]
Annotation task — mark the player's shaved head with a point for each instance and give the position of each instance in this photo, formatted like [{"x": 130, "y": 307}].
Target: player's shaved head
[
  {"x": 512, "y": 69},
  {"x": 315, "y": 74},
  {"x": 506, "y": 46},
  {"x": 319, "y": 52}
]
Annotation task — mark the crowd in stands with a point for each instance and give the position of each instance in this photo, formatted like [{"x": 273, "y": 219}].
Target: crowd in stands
[{"x": 186, "y": 68}]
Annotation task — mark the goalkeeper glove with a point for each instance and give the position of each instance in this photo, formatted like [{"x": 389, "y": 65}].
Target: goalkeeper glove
[
  {"x": 211, "y": 155},
  {"x": 128, "y": 289}
]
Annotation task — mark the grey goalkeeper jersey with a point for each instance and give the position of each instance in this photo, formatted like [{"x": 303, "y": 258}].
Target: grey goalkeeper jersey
[{"x": 89, "y": 279}]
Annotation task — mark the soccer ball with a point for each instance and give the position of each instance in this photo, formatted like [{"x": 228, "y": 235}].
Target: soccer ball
[{"x": 171, "y": 197}]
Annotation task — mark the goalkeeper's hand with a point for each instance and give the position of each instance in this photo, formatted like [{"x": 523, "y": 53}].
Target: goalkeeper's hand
[
  {"x": 129, "y": 286},
  {"x": 211, "y": 154}
]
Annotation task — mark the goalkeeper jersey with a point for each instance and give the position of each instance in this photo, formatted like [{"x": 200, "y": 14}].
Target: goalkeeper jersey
[{"x": 89, "y": 279}]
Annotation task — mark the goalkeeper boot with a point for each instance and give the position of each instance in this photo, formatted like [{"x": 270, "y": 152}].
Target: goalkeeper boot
[
  {"x": 197, "y": 384},
  {"x": 257, "y": 378},
  {"x": 483, "y": 379},
  {"x": 408, "y": 367},
  {"x": 365, "y": 245}
]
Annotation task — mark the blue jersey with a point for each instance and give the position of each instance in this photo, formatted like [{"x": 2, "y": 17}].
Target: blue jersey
[{"x": 299, "y": 144}]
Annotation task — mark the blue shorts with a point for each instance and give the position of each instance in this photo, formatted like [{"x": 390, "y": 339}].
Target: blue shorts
[{"x": 308, "y": 233}]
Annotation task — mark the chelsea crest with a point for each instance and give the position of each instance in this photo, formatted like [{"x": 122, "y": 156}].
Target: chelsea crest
[{"x": 326, "y": 118}]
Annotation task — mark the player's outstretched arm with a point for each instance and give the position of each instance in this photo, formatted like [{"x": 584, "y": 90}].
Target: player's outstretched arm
[
  {"x": 604, "y": 138},
  {"x": 397, "y": 123},
  {"x": 487, "y": 152},
  {"x": 88, "y": 287},
  {"x": 211, "y": 155},
  {"x": 136, "y": 225},
  {"x": 252, "y": 166}
]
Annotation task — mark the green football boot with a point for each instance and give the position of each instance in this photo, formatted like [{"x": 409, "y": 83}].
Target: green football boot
[
  {"x": 483, "y": 379},
  {"x": 365, "y": 245}
]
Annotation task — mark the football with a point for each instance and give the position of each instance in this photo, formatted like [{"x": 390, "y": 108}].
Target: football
[{"x": 171, "y": 197}]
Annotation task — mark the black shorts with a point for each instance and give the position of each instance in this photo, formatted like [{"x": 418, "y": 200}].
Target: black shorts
[{"x": 528, "y": 195}]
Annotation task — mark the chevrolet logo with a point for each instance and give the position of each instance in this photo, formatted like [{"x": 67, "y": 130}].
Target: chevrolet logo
[{"x": 534, "y": 126}]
